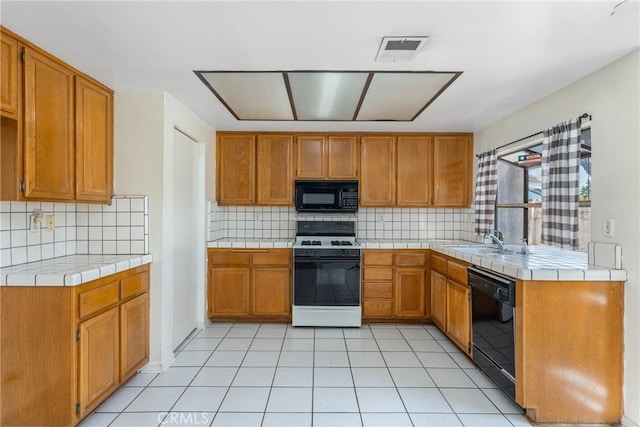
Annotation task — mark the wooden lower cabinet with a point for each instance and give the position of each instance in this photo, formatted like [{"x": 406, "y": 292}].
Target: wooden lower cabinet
[
  {"x": 134, "y": 333},
  {"x": 409, "y": 292},
  {"x": 394, "y": 285},
  {"x": 64, "y": 349},
  {"x": 450, "y": 304},
  {"x": 459, "y": 315},
  {"x": 439, "y": 299},
  {"x": 271, "y": 291},
  {"x": 568, "y": 351},
  {"x": 249, "y": 284},
  {"x": 99, "y": 364},
  {"x": 229, "y": 291}
]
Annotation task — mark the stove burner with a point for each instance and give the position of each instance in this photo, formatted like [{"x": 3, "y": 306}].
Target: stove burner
[
  {"x": 311, "y": 243},
  {"x": 341, "y": 243}
]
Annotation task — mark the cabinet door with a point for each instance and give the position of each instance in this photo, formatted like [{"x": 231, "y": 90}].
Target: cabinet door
[
  {"x": 229, "y": 292},
  {"x": 49, "y": 157},
  {"x": 99, "y": 359},
  {"x": 452, "y": 171},
  {"x": 94, "y": 142},
  {"x": 414, "y": 181},
  {"x": 275, "y": 176},
  {"x": 377, "y": 171},
  {"x": 409, "y": 292},
  {"x": 236, "y": 171},
  {"x": 311, "y": 157},
  {"x": 458, "y": 315},
  {"x": 8, "y": 75},
  {"x": 134, "y": 335},
  {"x": 271, "y": 292},
  {"x": 342, "y": 157},
  {"x": 439, "y": 300}
]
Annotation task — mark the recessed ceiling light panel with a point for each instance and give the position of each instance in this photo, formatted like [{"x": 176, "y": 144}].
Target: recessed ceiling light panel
[
  {"x": 402, "y": 96},
  {"x": 326, "y": 95},
  {"x": 251, "y": 95},
  {"x": 400, "y": 49}
]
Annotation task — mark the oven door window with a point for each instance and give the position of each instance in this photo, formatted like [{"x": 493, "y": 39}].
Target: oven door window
[
  {"x": 492, "y": 325},
  {"x": 327, "y": 282}
]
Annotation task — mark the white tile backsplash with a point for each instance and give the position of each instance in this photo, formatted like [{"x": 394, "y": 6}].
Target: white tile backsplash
[
  {"x": 118, "y": 228},
  {"x": 371, "y": 223}
]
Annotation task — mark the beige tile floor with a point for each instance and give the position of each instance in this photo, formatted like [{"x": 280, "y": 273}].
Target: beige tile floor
[{"x": 275, "y": 375}]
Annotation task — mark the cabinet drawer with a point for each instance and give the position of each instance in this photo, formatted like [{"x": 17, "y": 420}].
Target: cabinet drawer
[
  {"x": 377, "y": 290},
  {"x": 374, "y": 257},
  {"x": 271, "y": 258},
  {"x": 439, "y": 264},
  {"x": 377, "y": 308},
  {"x": 229, "y": 258},
  {"x": 133, "y": 285},
  {"x": 411, "y": 259},
  {"x": 378, "y": 273},
  {"x": 96, "y": 299},
  {"x": 457, "y": 272}
]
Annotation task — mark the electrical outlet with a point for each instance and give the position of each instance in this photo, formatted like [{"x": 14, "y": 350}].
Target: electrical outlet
[
  {"x": 34, "y": 221},
  {"x": 609, "y": 228},
  {"x": 381, "y": 218},
  {"x": 258, "y": 217},
  {"x": 51, "y": 222}
]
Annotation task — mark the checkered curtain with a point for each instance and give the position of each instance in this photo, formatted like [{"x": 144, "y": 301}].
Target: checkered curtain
[
  {"x": 486, "y": 190},
  {"x": 560, "y": 184}
]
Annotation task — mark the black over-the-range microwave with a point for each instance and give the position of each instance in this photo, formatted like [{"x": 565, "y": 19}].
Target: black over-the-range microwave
[{"x": 326, "y": 196}]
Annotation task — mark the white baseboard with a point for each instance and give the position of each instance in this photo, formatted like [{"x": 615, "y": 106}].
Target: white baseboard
[{"x": 151, "y": 368}]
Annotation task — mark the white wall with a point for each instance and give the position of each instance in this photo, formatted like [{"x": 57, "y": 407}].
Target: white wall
[
  {"x": 612, "y": 96},
  {"x": 144, "y": 124}
]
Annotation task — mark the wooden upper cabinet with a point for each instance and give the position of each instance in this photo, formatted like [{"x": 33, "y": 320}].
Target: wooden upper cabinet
[
  {"x": 49, "y": 131},
  {"x": 236, "y": 169},
  {"x": 452, "y": 169},
  {"x": 8, "y": 75},
  {"x": 94, "y": 142},
  {"x": 378, "y": 171},
  {"x": 275, "y": 176},
  {"x": 311, "y": 157},
  {"x": 342, "y": 155},
  {"x": 414, "y": 180},
  {"x": 327, "y": 157}
]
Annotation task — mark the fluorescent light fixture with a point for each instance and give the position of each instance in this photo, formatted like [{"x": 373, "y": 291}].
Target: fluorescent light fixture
[
  {"x": 326, "y": 95},
  {"x": 252, "y": 96},
  {"x": 402, "y": 96},
  {"x": 317, "y": 95}
]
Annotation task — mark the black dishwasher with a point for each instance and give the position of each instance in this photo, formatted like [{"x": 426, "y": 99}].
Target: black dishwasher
[{"x": 493, "y": 326}]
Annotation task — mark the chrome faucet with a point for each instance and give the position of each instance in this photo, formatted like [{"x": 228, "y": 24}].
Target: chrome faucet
[{"x": 498, "y": 238}]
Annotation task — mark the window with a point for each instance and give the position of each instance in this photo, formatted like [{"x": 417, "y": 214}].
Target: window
[{"x": 519, "y": 198}]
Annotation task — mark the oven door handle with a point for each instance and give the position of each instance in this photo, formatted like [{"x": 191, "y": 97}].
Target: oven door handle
[{"x": 298, "y": 259}]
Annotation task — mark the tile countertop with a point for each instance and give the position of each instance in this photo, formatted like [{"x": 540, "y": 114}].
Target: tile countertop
[
  {"x": 72, "y": 270},
  {"x": 250, "y": 243},
  {"x": 542, "y": 263}
]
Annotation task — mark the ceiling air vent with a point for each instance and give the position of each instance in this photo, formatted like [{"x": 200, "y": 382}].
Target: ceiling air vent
[{"x": 399, "y": 49}]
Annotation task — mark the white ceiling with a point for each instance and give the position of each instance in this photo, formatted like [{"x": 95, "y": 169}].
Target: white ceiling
[{"x": 511, "y": 52}]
